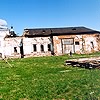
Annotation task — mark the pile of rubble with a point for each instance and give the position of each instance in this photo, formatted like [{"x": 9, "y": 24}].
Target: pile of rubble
[{"x": 87, "y": 63}]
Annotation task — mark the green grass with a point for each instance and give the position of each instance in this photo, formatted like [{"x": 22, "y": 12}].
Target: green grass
[{"x": 47, "y": 78}]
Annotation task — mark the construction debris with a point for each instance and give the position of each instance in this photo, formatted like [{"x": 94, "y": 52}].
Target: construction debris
[{"x": 88, "y": 63}]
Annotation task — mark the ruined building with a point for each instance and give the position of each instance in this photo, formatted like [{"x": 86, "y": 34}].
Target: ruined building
[
  {"x": 48, "y": 41},
  {"x": 59, "y": 41}
]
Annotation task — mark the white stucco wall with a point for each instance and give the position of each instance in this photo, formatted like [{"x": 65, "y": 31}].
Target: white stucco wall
[
  {"x": 10, "y": 43},
  {"x": 3, "y": 33},
  {"x": 88, "y": 45},
  {"x": 28, "y": 45}
]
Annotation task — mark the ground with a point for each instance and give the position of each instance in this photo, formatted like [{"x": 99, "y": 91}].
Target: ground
[{"x": 48, "y": 78}]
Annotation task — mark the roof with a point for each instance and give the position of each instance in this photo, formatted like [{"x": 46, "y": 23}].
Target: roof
[{"x": 58, "y": 31}]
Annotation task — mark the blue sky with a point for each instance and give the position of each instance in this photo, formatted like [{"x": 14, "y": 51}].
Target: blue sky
[{"x": 50, "y": 13}]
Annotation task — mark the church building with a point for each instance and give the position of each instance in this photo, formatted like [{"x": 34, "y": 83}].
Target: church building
[{"x": 47, "y": 41}]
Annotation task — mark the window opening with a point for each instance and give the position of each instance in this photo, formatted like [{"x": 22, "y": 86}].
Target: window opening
[
  {"x": 42, "y": 47},
  {"x": 92, "y": 44},
  {"x": 34, "y": 47},
  {"x": 49, "y": 47},
  {"x": 76, "y": 43},
  {"x": 15, "y": 49}
]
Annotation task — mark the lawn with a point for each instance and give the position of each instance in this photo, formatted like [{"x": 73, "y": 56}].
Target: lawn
[{"x": 47, "y": 78}]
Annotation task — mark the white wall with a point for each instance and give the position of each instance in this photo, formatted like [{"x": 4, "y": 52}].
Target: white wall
[
  {"x": 28, "y": 44},
  {"x": 3, "y": 33},
  {"x": 10, "y": 43},
  {"x": 88, "y": 44}
]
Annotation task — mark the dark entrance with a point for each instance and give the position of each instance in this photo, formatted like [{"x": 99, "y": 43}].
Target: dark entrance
[
  {"x": 52, "y": 45},
  {"x": 21, "y": 49}
]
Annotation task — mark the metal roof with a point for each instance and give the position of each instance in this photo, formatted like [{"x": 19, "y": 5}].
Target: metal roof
[{"x": 58, "y": 31}]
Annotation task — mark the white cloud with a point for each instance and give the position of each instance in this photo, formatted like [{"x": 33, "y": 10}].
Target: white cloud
[{"x": 3, "y": 22}]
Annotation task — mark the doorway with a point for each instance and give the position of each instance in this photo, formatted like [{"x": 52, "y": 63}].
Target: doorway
[
  {"x": 67, "y": 45},
  {"x": 21, "y": 49}
]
